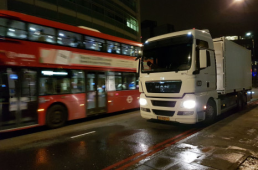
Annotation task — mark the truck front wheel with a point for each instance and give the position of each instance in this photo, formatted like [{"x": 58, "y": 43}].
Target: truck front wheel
[{"x": 211, "y": 112}]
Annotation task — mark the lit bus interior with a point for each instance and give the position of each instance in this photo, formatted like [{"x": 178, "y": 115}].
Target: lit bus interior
[
  {"x": 50, "y": 75},
  {"x": 34, "y": 32}
]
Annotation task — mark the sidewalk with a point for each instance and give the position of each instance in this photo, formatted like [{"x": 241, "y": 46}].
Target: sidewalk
[{"x": 231, "y": 143}]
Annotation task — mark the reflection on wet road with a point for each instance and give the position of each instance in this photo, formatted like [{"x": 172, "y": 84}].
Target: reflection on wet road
[{"x": 121, "y": 141}]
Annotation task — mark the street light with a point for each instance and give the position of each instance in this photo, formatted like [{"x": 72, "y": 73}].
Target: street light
[
  {"x": 248, "y": 34},
  {"x": 237, "y": 2}
]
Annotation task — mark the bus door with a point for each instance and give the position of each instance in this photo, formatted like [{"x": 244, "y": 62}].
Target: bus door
[
  {"x": 96, "y": 93},
  {"x": 18, "y": 98}
]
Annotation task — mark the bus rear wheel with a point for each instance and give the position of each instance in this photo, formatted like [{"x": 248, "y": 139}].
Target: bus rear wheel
[{"x": 56, "y": 116}]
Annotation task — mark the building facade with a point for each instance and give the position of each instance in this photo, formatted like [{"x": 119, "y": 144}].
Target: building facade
[
  {"x": 120, "y": 18},
  {"x": 150, "y": 29}
]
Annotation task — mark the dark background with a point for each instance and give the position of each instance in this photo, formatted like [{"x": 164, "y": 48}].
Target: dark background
[{"x": 221, "y": 17}]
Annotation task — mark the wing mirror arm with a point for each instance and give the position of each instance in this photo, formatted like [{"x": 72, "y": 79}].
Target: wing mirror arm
[{"x": 137, "y": 58}]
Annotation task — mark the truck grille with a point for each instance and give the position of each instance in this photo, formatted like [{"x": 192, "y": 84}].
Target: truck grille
[
  {"x": 163, "y": 103},
  {"x": 163, "y": 86},
  {"x": 164, "y": 112}
]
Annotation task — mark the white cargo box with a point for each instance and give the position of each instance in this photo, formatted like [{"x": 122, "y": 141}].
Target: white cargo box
[{"x": 233, "y": 66}]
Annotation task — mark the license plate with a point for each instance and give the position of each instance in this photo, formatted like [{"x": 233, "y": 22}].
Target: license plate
[{"x": 163, "y": 118}]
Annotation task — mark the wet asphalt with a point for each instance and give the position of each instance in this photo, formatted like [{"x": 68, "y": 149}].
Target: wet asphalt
[
  {"x": 118, "y": 141},
  {"x": 85, "y": 145}
]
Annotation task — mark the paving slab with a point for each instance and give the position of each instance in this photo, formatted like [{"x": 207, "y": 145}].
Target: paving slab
[{"x": 229, "y": 144}]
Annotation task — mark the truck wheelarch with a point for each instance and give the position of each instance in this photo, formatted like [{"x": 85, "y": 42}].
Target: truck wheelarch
[
  {"x": 210, "y": 112},
  {"x": 56, "y": 116}
]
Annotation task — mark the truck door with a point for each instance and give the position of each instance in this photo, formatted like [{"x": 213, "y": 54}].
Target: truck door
[
  {"x": 210, "y": 72},
  {"x": 206, "y": 80}
]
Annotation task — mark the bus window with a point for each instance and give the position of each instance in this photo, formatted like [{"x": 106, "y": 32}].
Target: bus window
[
  {"x": 2, "y": 26},
  {"x": 77, "y": 81},
  {"x": 137, "y": 80},
  {"x": 96, "y": 44},
  {"x": 16, "y": 29},
  {"x": 118, "y": 81},
  {"x": 41, "y": 33},
  {"x": 114, "y": 81},
  {"x": 113, "y": 47},
  {"x": 137, "y": 51},
  {"x": 111, "y": 81},
  {"x": 54, "y": 82},
  {"x": 29, "y": 78},
  {"x": 137, "y": 83},
  {"x": 127, "y": 50},
  {"x": 129, "y": 81},
  {"x": 69, "y": 39}
]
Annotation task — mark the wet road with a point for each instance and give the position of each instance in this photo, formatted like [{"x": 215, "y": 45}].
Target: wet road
[
  {"x": 116, "y": 141},
  {"x": 110, "y": 142}
]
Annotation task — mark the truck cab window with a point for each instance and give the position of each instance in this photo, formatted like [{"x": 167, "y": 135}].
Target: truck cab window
[
  {"x": 165, "y": 55},
  {"x": 202, "y": 44}
]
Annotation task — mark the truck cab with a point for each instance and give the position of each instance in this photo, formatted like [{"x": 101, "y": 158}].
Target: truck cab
[{"x": 178, "y": 78}]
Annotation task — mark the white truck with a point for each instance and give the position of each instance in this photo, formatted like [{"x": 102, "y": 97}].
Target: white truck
[{"x": 188, "y": 77}]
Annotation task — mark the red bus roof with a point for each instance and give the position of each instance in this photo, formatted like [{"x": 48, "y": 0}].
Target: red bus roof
[{"x": 58, "y": 25}]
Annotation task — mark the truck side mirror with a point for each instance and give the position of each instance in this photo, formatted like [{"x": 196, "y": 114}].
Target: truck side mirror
[{"x": 203, "y": 59}]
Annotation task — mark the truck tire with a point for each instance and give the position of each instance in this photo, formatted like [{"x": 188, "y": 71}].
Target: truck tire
[
  {"x": 211, "y": 112},
  {"x": 244, "y": 99},
  {"x": 240, "y": 102},
  {"x": 56, "y": 116}
]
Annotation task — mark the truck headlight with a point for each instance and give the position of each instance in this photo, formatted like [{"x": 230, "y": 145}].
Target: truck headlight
[
  {"x": 143, "y": 101},
  {"x": 189, "y": 104}
]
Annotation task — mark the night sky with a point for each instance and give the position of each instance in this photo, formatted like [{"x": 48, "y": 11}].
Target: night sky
[{"x": 221, "y": 17}]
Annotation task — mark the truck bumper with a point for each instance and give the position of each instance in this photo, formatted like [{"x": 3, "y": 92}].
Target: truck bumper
[
  {"x": 149, "y": 111},
  {"x": 184, "y": 120}
]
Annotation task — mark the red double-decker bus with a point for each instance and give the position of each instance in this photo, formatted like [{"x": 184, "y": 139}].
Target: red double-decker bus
[{"x": 52, "y": 72}]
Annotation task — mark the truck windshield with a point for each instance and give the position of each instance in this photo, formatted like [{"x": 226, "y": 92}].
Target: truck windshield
[{"x": 170, "y": 54}]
